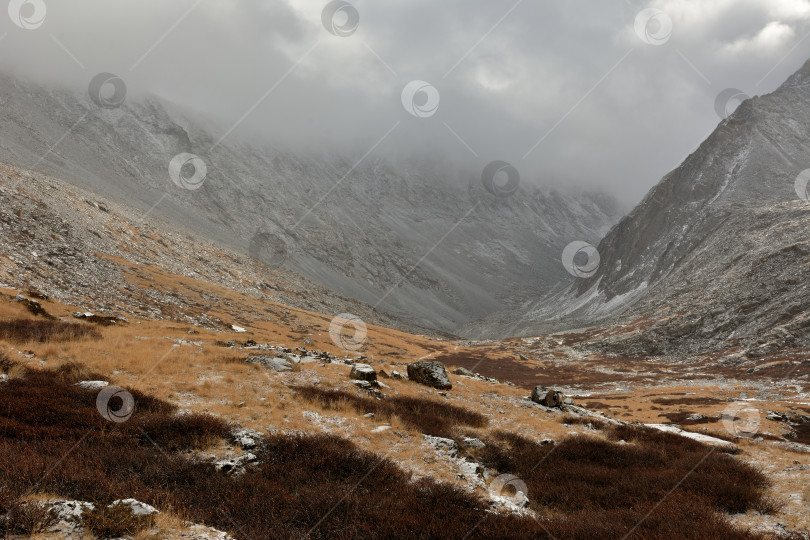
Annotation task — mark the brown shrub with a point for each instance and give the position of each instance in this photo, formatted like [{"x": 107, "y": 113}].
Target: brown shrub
[
  {"x": 323, "y": 487},
  {"x": 25, "y": 518},
  {"x": 23, "y": 330},
  {"x": 428, "y": 416},
  {"x": 6, "y": 363},
  {"x": 115, "y": 521}
]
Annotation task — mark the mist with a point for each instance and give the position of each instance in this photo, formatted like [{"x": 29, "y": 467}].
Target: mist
[{"x": 568, "y": 92}]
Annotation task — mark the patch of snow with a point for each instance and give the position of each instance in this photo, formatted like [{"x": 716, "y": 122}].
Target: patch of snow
[{"x": 669, "y": 428}]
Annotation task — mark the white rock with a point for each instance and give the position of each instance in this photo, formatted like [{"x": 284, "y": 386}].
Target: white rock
[
  {"x": 70, "y": 511},
  {"x": 92, "y": 385},
  {"x": 247, "y": 438},
  {"x": 669, "y": 428},
  {"x": 380, "y": 429},
  {"x": 238, "y": 329},
  {"x": 138, "y": 508}
]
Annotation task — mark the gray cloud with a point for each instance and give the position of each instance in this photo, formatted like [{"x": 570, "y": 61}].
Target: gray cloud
[{"x": 607, "y": 109}]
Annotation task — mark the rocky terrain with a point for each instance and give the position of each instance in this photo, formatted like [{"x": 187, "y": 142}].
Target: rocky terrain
[
  {"x": 714, "y": 258},
  {"x": 423, "y": 241}
]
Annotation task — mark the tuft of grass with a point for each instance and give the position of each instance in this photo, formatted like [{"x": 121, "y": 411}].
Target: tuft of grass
[
  {"x": 428, "y": 416},
  {"x": 43, "y": 331}
]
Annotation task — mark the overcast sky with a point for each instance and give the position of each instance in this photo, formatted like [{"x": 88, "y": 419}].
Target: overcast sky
[{"x": 593, "y": 92}]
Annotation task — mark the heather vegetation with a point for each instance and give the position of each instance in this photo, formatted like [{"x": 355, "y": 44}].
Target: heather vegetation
[
  {"x": 322, "y": 486},
  {"x": 426, "y": 415}
]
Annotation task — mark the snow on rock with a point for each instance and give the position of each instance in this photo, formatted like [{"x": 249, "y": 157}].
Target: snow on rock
[
  {"x": 247, "y": 438},
  {"x": 669, "y": 428},
  {"x": 92, "y": 385},
  {"x": 70, "y": 511},
  {"x": 138, "y": 508}
]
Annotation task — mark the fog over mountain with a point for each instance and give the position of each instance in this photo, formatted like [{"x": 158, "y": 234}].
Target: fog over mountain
[{"x": 566, "y": 92}]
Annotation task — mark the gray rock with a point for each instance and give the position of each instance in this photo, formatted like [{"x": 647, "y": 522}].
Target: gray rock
[
  {"x": 442, "y": 445},
  {"x": 464, "y": 372},
  {"x": 274, "y": 363},
  {"x": 431, "y": 374},
  {"x": 554, "y": 399},
  {"x": 363, "y": 372},
  {"x": 539, "y": 394},
  {"x": 248, "y": 439},
  {"x": 236, "y": 465}
]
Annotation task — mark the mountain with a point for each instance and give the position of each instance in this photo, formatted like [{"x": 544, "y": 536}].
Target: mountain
[
  {"x": 716, "y": 255},
  {"x": 419, "y": 241}
]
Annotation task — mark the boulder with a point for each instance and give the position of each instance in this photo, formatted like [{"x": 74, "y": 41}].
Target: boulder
[
  {"x": 548, "y": 397},
  {"x": 273, "y": 363},
  {"x": 554, "y": 398},
  {"x": 431, "y": 374},
  {"x": 363, "y": 372},
  {"x": 539, "y": 394}
]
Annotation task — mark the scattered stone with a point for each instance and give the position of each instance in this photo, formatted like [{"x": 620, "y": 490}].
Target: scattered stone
[
  {"x": 430, "y": 373},
  {"x": 236, "y": 465},
  {"x": 568, "y": 401},
  {"x": 442, "y": 445},
  {"x": 274, "y": 363},
  {"x": 369, "y": 388},
  {"x": 368, "y": 415},
  {"x": 380, "y": 429},
  {"x": 546, "y": 442},
  {"x": 3, "y": 377},
  {"x": 384, "y": 374},
  {"x": 92, "y": 385},
  {"x": 363, "y": 372},
  {"x": 396, "y": 375},
  {"x": 463, "y": 371},
  {"x": 238, "y": 329},
  {"x": 472, "y": 442},
  {"x": 697, "y": 417},
  {"x": 84, "y": 315},
  {"x": 248, "y": 439}
]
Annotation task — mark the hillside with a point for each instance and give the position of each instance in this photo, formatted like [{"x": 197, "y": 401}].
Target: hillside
[
  {"x": 423, "y": 241},
  {"x": 716, "y": 255}
]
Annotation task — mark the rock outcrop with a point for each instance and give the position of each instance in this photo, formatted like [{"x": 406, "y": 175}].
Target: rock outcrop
[{"x": 431, "y": 374}]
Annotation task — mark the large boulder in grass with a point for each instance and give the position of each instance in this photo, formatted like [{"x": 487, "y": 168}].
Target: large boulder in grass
[
  {"x": 548, "y": 397},
  {"x": 431, "y": 374},
  {"x": 363, "y": 372},
  {"x": 539, "y": 393}
]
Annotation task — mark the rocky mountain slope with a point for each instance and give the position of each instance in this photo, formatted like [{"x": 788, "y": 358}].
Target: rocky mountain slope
[
  {"x": 716, "y": 255},
  {"x": 423, "y": 242}
]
